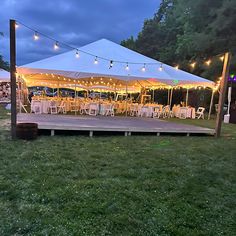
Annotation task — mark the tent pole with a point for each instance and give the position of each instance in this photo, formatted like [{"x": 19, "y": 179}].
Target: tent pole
[
  {"x": 75, "y": 99},
  {"x": 187, "y": 98},
  {"x": 153, "y": 94},
  {"x": 168, "y": 101},
  {"x": 126, "y": 112},
  {"x": 211, "y": 104},
  {"x": 171, "y": 94},
  {"x": 58, "y": 91}
]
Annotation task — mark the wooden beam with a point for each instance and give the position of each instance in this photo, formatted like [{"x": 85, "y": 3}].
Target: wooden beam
[
  {"x": 13, "y": 77},
  {"x": 223, "y": 86}
]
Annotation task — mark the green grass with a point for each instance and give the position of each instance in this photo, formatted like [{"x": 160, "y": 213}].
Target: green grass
[{"x": 138, "y": 185}]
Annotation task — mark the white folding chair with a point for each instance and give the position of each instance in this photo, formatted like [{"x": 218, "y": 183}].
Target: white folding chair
[
  {"x": 109, "y": 110},
  {"x": 74, "y": 106},
  {"x": 53, "y": 107},
  {"x": 200, "y": 112},
  {"x": 144, "y": 111},
  {"x": 84, "y": 108},
  {"x": 36, "y": 107},
  {"x": 134, "y": 109},
  {"x": 62, "y": 107},
  {"x": 156, "y": 112},
  {"x": 183, "y": 112},
  {"x": 93, "y": 109}
]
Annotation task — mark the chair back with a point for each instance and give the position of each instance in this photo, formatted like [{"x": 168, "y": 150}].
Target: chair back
[{"x": 200, "y": 110}]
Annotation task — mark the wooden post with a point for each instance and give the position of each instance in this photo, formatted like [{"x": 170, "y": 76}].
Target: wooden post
[
  {"x": 211, "y": 103},
  {"x": 223, "y": 86},
  {"x": 13, "y": 77}
]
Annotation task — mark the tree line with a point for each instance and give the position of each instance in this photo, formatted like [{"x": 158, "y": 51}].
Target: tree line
[{"x": 185, "y": 31}]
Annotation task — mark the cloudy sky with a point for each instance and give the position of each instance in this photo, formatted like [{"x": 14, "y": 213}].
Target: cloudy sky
[{"x": 76, "y": 22}]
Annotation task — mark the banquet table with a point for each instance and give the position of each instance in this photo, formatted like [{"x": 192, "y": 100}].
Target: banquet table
[
  {"x": 44, "y": 104},
  {"x": 190, "y": 111}
]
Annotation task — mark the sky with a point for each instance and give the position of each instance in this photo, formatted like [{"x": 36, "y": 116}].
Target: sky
[{"x": 75, "y": 22}]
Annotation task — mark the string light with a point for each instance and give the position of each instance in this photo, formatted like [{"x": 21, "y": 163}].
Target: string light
[
  {"x": 77, "y": 53},
  {"x": 111, "y": 64},
  {"x": 208, "y": 62},
  {"x": 127, "y": 66},
  {"x": 36, "y": 36},
  {"x": 144, "y": 68},
  {"x": 161, "y": 67},
  {"x": 96, "y": 60},
  {"x": 193, "y": 65},
  {"x": 56, "y": 45}
]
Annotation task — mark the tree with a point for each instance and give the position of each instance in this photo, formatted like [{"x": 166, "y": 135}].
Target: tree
[
  {"x": 3, "y": 64},
  {"x": 186, "y": 30}
]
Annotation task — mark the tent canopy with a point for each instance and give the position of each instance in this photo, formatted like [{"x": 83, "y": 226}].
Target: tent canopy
[
  {"x": 66, "y": 66},
  {"x": 4, "y": 76}
]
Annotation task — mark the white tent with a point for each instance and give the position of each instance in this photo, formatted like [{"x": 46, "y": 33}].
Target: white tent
[
  {"x": 66, "y": 65},
  {"x": 4, "y": 76}
]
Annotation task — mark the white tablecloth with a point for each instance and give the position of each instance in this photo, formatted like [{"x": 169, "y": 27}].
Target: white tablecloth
[{"x": 190, "y": 112}]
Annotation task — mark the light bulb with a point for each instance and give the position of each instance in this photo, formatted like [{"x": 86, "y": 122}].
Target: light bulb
[
  {"x": 111, "y": 64},
  {"x": 127, "y": 66},
  {"x": 56, "y": 46},
  {"x": 193, "y": 64},
  {"x": 144, "y": 68},
  {"x": 161, "y": 68},
  {"x": 16, "y": 25},
  {"x": 36, "y": 36},
  {"x": 222, "y": 58},
  {"x": 208, "y": 62},
  {"x": 77, "y": 53},
  {"x": 177, "y": 67},
  {"x": 96, "y": 61}
]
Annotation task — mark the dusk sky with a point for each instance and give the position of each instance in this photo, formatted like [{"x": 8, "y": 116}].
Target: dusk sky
[{"x": 76, "y": 22}]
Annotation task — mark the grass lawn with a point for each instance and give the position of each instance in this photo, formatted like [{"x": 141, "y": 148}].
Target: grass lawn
[{"x": 138, "y": 185}]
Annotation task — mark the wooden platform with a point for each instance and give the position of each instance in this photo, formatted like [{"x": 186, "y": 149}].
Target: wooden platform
[{"x": 127, "y": 125}]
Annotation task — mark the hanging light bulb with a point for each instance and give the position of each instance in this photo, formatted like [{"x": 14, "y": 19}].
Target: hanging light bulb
[
  {"x": 36, "y": 36},
  {"x": 222, "y": 58},
  {"x": 16, "y": 25},
  {"x": 111, "y": 64},
  {"x": 127, "y": 66},
  {"x": 144, "y": 68},
  {"x": 77, "y": 53},
  {"x": 177, "y": 67},
  {"x": 193, "y": 64},
  {"x": 56, "y": 46},
  {"x": 96, "y": 60},
  {"x": 161, "y": 68},
  {"x": 208, "y": 62}
]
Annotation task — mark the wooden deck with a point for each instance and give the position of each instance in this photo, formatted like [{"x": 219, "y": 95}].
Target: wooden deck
[{"x": 127, "y": 125}]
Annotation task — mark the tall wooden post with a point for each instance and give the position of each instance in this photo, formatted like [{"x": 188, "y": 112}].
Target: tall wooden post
[
  {"x": 223, "y": 86},
  {"x": 13, "y": 77}
]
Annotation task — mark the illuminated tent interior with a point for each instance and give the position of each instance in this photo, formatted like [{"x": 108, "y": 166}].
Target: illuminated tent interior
[{"x": 107, "y": 66}]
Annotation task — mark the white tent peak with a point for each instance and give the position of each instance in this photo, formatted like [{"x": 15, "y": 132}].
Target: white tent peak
[{"x": 66, "y": 64}]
